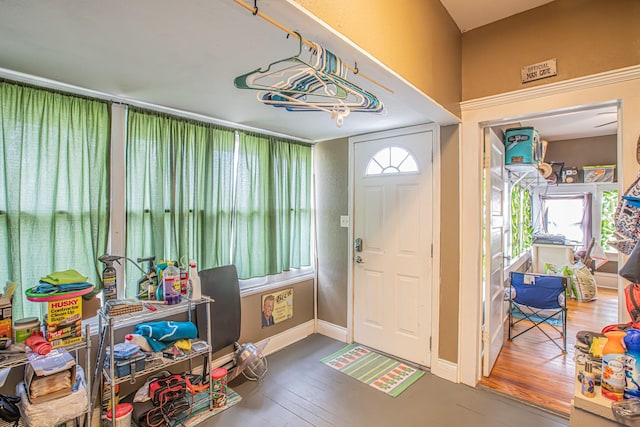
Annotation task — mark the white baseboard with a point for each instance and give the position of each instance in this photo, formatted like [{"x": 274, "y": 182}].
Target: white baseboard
[
  {"x": 331, "y": 330},
  {"x": 445, "y": 369},
  {"x": 276, "y": 342},
  {"x": 606, "y": 280}
]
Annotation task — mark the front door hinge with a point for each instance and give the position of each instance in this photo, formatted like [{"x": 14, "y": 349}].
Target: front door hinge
[{"x": 430, "y": 343}]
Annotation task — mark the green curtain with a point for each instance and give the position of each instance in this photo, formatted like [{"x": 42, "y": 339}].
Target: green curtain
[
  {"x": 272, "y": 223},
  {"x": 179, "y": 190},
  {"x": 54, "y": 210}
]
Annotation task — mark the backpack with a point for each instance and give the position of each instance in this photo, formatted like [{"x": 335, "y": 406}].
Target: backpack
[{"x": 627, "y": 219}]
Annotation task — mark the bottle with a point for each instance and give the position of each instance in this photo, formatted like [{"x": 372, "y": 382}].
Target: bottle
[
  {"x": 632, "y": 364},
  {"x": 171, "y": 284},
  {"x": 148, "y": 282},
  {"x": 184, "y": 280},
  {"x": 109, "y": 283},
  {"x": 140, "y": 341},
  {"x": 588, "y": 380},
  {"x": 613, "y": 365},
  {"x": 194, "y": 280}
]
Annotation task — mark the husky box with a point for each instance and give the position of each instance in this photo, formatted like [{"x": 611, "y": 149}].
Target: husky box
[{"x": 522, "y": 145}]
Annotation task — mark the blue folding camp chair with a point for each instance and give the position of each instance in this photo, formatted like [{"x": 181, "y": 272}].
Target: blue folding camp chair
[{"x": 539, "y": 299}]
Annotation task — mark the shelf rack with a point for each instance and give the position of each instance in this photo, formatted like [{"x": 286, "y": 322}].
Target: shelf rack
[
  {"x": 15, "y": 361},
  {"x": 108, "y": 324},
  {"x": 525, "y": 174}
]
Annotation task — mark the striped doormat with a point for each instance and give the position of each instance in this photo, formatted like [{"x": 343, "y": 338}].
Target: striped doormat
[{"x": 379, "y": 371}]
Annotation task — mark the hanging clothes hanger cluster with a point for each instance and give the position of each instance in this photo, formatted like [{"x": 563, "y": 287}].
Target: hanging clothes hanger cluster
[{"x": 317, "y": 84}]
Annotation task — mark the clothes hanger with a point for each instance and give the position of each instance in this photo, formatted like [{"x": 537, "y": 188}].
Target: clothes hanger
[{"x": 358, "y": 100}]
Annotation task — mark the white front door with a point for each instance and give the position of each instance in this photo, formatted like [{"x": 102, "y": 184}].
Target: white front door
[
  {"x": 392, "y": 260},
  {"x": 493, "y": 332}
]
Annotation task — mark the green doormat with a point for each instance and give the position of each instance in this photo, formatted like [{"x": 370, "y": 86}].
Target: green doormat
[{"x": 381, "y": 372}]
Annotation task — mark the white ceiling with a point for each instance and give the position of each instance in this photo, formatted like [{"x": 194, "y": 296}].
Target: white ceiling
[
  {"x": 470, "y": 14},
  {"x": 185, "y": 56}
]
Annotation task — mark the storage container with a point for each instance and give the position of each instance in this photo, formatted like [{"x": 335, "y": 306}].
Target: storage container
[
  {"x": 124, "y": 367},
  {"x": 604, "y": 173},
  {"x": 522, "y": 145}
]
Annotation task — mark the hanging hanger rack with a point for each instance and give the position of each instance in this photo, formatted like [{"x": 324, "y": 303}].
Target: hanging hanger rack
[{"x": 254, "y": 10}]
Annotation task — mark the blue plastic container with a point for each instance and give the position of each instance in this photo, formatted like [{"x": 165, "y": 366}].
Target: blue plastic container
[
  {"x": 522, "y": 146},
  {"x": 632, "y": 364}
]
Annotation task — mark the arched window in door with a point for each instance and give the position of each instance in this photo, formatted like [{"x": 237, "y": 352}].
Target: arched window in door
[{"x": 391, "y": 160}]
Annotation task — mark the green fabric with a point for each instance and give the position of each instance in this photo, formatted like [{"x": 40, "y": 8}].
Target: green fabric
[
  {"x": 272, "y": 225},
  {"x": 64, "y": 277},
  {"x": 54, "y": 170},
  {"x": 179, "y": 191}
]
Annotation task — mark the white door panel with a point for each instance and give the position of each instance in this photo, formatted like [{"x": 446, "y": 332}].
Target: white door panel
[
  {"x": 494, "y": 265},
  {"x": 392, "y": 281}
]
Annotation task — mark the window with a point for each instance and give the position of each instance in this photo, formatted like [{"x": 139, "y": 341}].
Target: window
[
  {"x": 590, "y": 204},
  {"x": 568, "y": 215},
  {"x": 391, "y": 160},
  {"x": 54, "y": 174},
  {"x": 195, "y": 190},
  {"x": 607, "y": 224},
  {"x": 521, "y": 228}
]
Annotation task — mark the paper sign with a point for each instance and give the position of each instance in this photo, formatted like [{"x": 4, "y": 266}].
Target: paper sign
[
  {"x": 538, "y": 71},
  {"x": 277, "y": 307}
]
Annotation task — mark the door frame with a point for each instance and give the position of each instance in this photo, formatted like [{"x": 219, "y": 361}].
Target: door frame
[
  {"x": 618, "y": 86},
  {"x": 442, "y": 370}
]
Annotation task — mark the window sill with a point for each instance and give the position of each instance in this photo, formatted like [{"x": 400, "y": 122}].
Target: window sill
[
  {"x": 247, "y": 287},
  {"x": 268, "y": 283}
]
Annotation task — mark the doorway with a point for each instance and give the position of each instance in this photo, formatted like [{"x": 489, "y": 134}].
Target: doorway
[
  {"x": 583, "y": 137},
  {"x": 393, "y": 239}
]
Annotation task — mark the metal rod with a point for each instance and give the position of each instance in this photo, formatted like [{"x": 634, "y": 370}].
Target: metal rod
[{"x": 305, "y": 41}]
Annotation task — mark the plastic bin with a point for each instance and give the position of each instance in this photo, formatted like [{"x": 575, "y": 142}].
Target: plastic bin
[
  {"x": 124, "y": 367},
  {"x": 604, "y": 173},
  {"x": 522, "y": 145}
]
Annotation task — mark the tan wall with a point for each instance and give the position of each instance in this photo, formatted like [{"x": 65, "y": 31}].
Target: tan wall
[
  {"x": 416, "y": 39},
  {"x": 449, "y": 243},
  {"x": 599, "y": 150},
  {"x": 585, "y": 36},
  {"x": 331, "y": 176}
]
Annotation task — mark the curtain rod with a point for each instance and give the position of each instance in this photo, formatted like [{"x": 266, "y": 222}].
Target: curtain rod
[{"x": 255, "y": 11}]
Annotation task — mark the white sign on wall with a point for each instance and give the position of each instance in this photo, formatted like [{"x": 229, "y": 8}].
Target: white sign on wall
[{"x": 538, "y": 71}]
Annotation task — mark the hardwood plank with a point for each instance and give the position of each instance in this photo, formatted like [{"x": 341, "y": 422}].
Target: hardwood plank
[{"x": 533, "y": 369}]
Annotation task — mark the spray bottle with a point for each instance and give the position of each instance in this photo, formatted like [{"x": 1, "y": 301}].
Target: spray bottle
[
  {"x": 109, "y": 280},
  {"x": 171, "y": 284},
  {"x": 147, "y": 284}
]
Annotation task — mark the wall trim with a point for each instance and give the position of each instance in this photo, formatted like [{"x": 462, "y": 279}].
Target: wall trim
[
  {"x": 446, "y": 370},
  {"x": 276, "y": 342},
  {"x": 606, "y": 280},
  {"x": 332, "y": 331},
  {"x": 579, "y": 83}
]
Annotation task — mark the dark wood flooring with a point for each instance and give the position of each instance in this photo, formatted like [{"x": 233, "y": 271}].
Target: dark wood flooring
[
  {"x": 533, "y": 369},
  {"x": 299, "y": 390}
]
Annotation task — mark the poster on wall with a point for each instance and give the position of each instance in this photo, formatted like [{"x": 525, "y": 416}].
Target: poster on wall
[{"x": 277, "y": 307}]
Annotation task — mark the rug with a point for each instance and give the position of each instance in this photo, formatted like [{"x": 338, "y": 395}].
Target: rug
[
  {"x": 380, "y": 372},
  {"x": 201, "y": 412}
]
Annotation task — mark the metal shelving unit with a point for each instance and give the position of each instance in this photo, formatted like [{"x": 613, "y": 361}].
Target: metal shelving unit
[
  {"x": 15, "y": 361},
  {"x": 109, "y": 324}
]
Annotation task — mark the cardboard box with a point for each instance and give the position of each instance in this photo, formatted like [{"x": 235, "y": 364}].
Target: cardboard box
[
  {"x": 55, "y": 372},
  {"x": 63, "y": 323}
]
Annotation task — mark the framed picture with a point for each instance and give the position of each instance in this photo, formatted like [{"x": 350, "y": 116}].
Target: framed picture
[{"x": 277, "y": 307}]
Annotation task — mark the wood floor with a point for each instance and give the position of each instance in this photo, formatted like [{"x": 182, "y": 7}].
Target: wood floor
[
  {"x": 531, "y": 368},
  {"x": 300, "y": 391}
]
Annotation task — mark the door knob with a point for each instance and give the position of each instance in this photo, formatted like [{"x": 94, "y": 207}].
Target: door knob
[{"x": 358, "y": 259}]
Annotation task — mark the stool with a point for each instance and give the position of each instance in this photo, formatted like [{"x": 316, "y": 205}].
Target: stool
[{"x": 219, "y": 382}]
